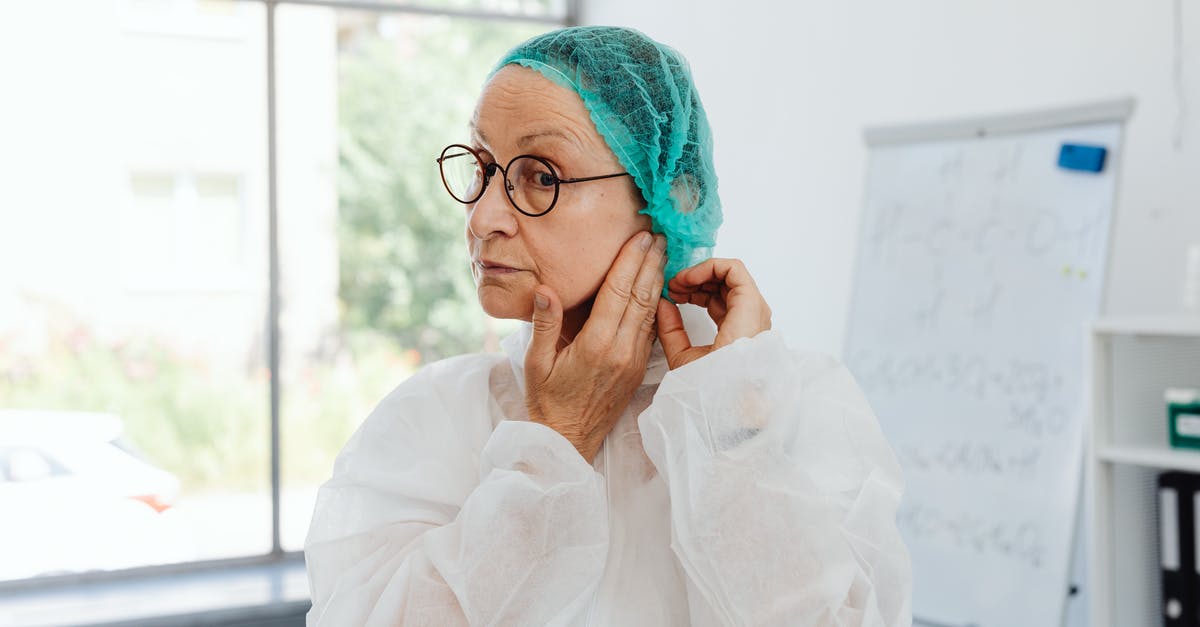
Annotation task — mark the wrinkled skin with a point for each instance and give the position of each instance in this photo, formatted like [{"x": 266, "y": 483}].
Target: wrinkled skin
[{"x": 588, "y": 275}]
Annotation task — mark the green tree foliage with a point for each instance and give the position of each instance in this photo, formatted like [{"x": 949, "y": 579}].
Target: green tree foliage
[{"x": 407, "y": 89}]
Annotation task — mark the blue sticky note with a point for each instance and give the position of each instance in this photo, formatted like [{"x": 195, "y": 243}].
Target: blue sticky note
[{"x": 1082, "y": 157}]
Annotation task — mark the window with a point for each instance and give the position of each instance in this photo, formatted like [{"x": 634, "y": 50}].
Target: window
[
  {"x": 185, "y": 231},
  {"x": 375, "y": 275},
  {"x": 136, "y": 389}
]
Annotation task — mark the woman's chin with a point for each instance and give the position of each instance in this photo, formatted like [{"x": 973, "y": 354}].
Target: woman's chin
[{"x": 506, "y": 304}]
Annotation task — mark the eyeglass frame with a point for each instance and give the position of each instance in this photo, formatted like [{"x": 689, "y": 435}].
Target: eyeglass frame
[{"x": 490, "y": 171}]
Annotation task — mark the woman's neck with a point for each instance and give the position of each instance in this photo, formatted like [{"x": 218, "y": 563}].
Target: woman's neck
[{"x": 573, "y": 321}]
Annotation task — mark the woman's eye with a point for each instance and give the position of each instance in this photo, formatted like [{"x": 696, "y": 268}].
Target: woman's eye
[{"x": 545, "y": 179}]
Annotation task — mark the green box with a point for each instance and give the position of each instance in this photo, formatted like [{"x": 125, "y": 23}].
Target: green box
[{"x": 1183, "y": 417}]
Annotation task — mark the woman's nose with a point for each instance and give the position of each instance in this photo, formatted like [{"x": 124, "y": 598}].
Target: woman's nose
[{"x": 492, "y": 214}]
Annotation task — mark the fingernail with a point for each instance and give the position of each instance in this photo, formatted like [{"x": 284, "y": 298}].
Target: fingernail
[
  {"x": 539, "y": 301},
  {"x": 644, "y": 242},
  {"x": 660, "y": 243}
]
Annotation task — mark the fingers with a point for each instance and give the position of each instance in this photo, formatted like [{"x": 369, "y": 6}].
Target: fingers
[
  {"x": 547, "y": 328},
  {"x": 711, "y": 299},
  {"x": 611, "y": 300},
  {"x": 711, "y": 284},
  {"x": 712, "y": 276},
  {"x": 637, "y": 323},
  {"x": 710, "y": 296},
  {"x": 671, "y": 333},
  {"x": 725, "y": 288}
]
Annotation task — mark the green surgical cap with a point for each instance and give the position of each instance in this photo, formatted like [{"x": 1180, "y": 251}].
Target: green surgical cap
[{"x": 642, "y": 100}]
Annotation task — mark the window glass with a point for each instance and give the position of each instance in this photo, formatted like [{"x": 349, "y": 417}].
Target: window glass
[
  {"x": 133, "y": 285},
  {"x": 376, "y": 278},
  {"x": 134, "y": 389}
]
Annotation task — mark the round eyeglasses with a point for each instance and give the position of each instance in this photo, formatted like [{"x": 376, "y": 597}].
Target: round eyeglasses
[{"x": 530, "y": 182}]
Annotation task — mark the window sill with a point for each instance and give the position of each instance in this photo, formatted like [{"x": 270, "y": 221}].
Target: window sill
[{"x": 269, "y": 594}]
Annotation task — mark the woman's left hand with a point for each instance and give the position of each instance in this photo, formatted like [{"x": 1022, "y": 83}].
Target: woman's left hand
[{"x": 725, "y": 288}]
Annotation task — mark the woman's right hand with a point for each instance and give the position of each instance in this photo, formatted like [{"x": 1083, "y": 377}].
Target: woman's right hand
[{"x": 582, "y": 389}]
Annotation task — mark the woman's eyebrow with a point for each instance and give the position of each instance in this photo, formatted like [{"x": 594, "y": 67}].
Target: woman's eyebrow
[
  {"x": 530, "y": 138},
  {"x": 525, "y": 140}
]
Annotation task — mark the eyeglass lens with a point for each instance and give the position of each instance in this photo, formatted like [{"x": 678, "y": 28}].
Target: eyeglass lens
[{"x": 530, "y": 184}]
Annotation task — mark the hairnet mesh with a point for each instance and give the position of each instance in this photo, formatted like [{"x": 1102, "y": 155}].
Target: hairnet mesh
[{"x": 642, "y": 100}]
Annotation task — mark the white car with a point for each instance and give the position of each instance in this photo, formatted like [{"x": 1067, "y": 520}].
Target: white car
[{"x": 75, "y": 497}]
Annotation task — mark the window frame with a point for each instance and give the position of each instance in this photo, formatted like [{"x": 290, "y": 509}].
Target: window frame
[{"x": 277, "y": 554}]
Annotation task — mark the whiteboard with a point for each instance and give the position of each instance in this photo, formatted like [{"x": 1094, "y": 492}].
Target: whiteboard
[{"x": 979, "y": 262}]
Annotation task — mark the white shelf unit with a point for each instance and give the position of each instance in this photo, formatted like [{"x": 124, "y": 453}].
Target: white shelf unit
[{"x": 1133, "y": 361}]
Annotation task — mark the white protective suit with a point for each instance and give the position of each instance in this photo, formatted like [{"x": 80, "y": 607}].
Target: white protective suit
[{"x": 750, "y": 487}]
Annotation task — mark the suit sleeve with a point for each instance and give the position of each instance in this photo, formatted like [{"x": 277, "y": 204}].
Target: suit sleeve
[
  {"x": 421, "y": 526},
  {"x": 783, "y": 490}
]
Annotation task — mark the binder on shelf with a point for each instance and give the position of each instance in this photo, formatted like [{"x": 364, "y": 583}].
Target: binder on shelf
[{"x": 1177, "y": 496}]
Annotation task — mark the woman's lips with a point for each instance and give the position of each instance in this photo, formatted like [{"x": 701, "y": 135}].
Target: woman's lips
[{"x": 494, "y": 269}]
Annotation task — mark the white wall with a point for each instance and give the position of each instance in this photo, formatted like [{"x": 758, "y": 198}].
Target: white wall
[{"x": 790, "y": 86}]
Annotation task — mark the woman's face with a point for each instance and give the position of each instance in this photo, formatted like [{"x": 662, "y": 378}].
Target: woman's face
[{"x": 571, "y": 248}]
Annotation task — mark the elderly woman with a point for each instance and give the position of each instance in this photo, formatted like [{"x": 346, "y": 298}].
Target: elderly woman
[{"x": 617, "y": 466}]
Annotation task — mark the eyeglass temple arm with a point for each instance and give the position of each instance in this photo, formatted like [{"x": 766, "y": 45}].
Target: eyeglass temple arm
[{"x": 593, "y": 178}]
